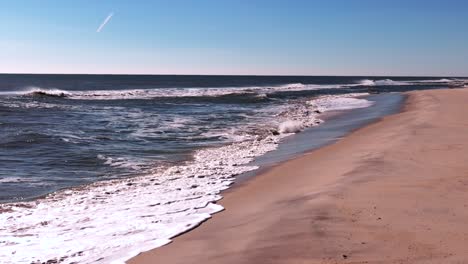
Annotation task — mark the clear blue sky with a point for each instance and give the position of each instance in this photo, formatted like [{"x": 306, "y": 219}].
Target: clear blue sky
[{"x": 287, "y": 37}]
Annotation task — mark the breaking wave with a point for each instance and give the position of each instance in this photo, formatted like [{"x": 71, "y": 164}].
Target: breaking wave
[
  {"x": 37, "y": 91},
  {"x": 290, "y": 126},
  {"x": 258, "y": 91}
]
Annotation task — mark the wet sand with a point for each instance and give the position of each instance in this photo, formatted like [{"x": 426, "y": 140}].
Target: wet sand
[{"x": 395, "y": 191}]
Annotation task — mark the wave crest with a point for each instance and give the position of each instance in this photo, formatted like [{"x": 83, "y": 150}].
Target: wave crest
[{"x": 36, "y": 91}]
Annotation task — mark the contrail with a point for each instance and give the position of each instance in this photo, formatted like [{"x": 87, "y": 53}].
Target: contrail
[{"x": 104, "y": 22}]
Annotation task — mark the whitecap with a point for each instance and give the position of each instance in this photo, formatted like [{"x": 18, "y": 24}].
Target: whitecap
[{"x": 290, "y": 126}]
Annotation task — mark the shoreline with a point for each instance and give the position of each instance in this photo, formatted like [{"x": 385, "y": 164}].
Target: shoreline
[
  {"x": 329, "y": 218},
  {"x": 336, "y": 125},
  {"x": 331, "y": 130}
]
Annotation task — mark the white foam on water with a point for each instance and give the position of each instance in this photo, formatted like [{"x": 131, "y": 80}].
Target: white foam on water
[
  {"x": 232, "y": 135},
  {"x": 367, "y": 82},
  {"x": 11, "y": 180},
  {"x": 112, "y": 221},
  {"x": 331, "y": 103},
  {"x": 290, "y": 126},
  {"x": 25, "y": 182}
]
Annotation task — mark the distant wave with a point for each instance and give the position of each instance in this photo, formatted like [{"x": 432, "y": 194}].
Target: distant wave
[
  {"x": 38, "y": 91},
  {"x": 390, "y": 82},
  {"x": 257, "y": 91},
  {"x": 48, "y": 93}
]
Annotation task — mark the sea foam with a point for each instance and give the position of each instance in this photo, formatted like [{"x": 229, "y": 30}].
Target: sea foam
[
  {"x": 111, "y": 221},
  {"x": 342, "y": 103}
]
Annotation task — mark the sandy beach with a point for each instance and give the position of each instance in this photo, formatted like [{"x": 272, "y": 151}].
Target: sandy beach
[{"x": 392, "y": 192}]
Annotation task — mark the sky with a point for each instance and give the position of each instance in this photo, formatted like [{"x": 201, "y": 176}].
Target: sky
[{"x": 247, "y": 37}]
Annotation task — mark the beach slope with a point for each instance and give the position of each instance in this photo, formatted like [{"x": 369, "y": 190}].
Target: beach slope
[{"x": 395, "y": 191}]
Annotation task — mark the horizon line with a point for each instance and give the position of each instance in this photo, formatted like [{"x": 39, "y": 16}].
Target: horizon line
[{"x": 251, "y": 75}]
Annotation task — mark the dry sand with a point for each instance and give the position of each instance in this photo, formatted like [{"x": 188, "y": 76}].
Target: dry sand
[{"x": 395, "y": 191}]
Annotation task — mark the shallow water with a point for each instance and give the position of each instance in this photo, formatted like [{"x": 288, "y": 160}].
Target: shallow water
[{"x": 334, "y": 128}]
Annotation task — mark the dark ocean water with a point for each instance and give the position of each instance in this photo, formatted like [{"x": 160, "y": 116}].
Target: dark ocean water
[{"x": 58, "y": 131}]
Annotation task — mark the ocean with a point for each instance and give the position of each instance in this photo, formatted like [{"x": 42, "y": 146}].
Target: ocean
[{"x": 101, "y": 167}]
